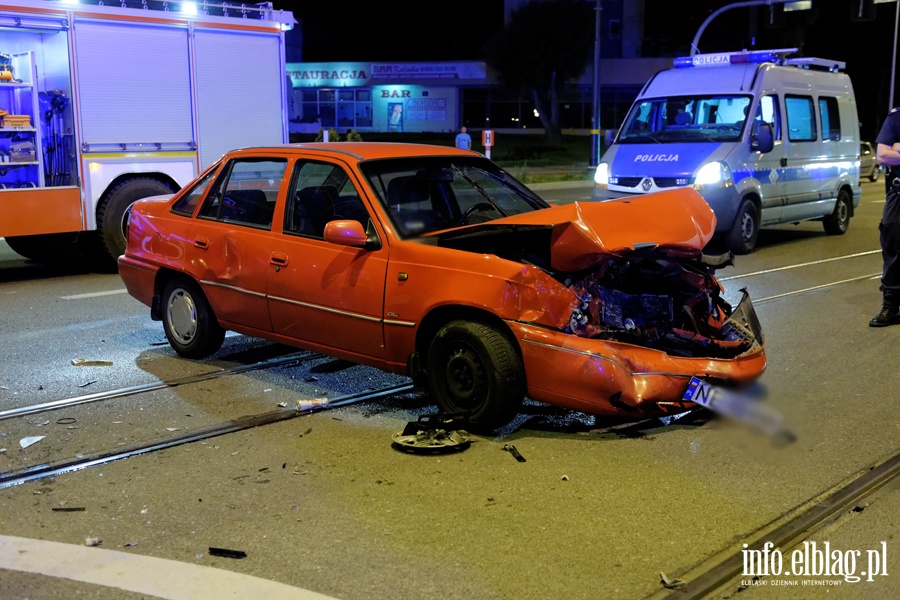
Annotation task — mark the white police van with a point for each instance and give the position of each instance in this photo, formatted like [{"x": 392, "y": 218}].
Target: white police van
[{"x": 765, "y": 139}]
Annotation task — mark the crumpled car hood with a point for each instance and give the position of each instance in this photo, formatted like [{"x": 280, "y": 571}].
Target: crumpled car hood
[{"x": 584, "y": 234}]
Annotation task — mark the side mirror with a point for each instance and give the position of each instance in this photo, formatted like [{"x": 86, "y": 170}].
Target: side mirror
[
  {"x": 764, "y": 138},
  {"x": 346, "y": 233}
]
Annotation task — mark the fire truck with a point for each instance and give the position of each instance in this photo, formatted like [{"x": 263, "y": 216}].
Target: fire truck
[{"x": 103, "y": 105}]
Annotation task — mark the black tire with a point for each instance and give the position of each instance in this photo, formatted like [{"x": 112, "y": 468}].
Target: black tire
[
  {"x": 838, "y": 222},
  {"x": 875, "y": 173},
  {"x": 745, "y": 231},
  {"x": 189, "y": 322},
  {"x": 473, "y": 368},
  {"x": 111, "y": 214},
  {"x": 49, "y": 248}
]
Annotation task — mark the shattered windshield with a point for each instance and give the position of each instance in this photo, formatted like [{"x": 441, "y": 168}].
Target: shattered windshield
[
  {"x": 428, "y": 194},
  {"x": 686, "y": 119}
]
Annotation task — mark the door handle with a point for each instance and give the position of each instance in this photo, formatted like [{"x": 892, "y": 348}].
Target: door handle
[
  {"x": 278, "y": 259},
  {"x": 201, "y": 242},
  {"x": 784, "y": 161}
]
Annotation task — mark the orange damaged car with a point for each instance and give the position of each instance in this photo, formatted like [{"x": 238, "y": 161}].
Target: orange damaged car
[{"x": 436, "y": 263}]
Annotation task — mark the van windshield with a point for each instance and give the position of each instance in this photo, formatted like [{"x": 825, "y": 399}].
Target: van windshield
[{"x": 686, "y": 119}]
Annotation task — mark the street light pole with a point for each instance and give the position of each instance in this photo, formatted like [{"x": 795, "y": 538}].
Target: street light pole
[
  {"x": 695, "y": 44},
  {"x": 595, "y": 119}
]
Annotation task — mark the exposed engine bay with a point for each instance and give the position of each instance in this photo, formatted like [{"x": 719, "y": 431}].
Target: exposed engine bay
[
  {"x": 673, "y": 305},
  {"x": 648, "y": 296}
]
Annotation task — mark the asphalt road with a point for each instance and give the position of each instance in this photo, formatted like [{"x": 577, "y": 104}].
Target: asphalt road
[{"x": 322, "y": 504}]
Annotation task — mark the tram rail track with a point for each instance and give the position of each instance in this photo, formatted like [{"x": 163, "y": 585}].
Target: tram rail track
[
  {"x": 705, "y": 580},
  {"x": 32, "y": 409},
  {"x": 42, "y": 471}
]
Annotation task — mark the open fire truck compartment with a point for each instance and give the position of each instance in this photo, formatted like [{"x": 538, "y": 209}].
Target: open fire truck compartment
[{"x": 102, "y": 105}]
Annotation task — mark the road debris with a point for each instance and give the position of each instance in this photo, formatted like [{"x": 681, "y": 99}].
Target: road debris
[
  {"x": 434, "y": 434},
  {"x": 68, "y": 509},
  {"x": 84, "y": 362},
  {"x": 92, "y": 541},
  {"x": 308, "y": 405},
  {"x": 31, "y": 440},
  {"x": 226, "y": 553},
  {"x": 87, "y": 383},
  {"x": 672, "y": 584},
  {"x": 65, "y": 420},
  {"x": 512, "y": 450}
]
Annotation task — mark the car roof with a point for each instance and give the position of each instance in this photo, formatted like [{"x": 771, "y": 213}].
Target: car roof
[{"x": 362, "y": 150}]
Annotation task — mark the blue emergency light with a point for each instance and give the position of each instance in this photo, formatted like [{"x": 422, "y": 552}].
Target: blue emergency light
[{"x": 733, "y": 58}]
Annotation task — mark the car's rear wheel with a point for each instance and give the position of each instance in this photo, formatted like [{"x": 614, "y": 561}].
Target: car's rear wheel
[
  {"x": 745, "y": 231},
  {"x": 189, "y": 322},
  {"x": 838, "y": 222},
  {"x": 875, "y": 173},
  {"x": 476, "y": 369}
]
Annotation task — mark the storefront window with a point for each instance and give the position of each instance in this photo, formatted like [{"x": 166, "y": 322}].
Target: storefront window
[
  {"x": 344, "y": 109},
  {"x": 363, "y": 108}
]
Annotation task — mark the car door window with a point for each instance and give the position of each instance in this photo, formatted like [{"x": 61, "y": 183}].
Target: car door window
[
  {"x": 246, "y": 193},
  {"x": 321, "y": 192},
  {"x": 187, "y": 204},
  {"x": 767, "y": 112}
]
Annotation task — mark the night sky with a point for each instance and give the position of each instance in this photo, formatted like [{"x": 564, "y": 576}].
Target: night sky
[{"x": 420, "y": 31}]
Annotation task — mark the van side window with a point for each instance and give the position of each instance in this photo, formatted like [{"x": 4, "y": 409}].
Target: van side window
[
  {"x": 768, "y": 112},
  {"x": 801, "y": 118},
  {"x": 831, "y": 118}
]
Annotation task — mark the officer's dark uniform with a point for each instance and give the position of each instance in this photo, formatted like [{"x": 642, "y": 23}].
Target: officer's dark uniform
[{"x": 890, "y": 229}]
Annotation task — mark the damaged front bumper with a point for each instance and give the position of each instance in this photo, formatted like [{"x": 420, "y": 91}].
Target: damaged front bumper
[{"x": 609, "y": 377}]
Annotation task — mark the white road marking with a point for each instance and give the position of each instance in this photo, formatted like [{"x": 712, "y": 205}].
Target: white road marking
[
  {"x": 798, "y": 265},
  {"x": 158, "y": 577},
  {"x": 94, "y": 294},
  {"x": 816, "y": 287}
]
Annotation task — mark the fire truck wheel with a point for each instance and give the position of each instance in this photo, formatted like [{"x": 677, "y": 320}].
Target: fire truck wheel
[
  {"x": 189, "y": 322},
  {"x": 51, "y": 248},
  {"x": 112, "y": 209},
  {"x": 476, "y": 369}
]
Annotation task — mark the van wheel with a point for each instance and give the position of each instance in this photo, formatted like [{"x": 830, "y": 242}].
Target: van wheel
[
  {"x": 473, "y": 368},
  {"x": 189, "y": 322},
  {"x": 837, "y": 222},
  {"x": 742, "y": 237},
  {"x": 875, "y": 174}
]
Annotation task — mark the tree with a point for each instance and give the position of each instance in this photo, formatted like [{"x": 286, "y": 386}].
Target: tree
[{"x": 544, "y": 45}]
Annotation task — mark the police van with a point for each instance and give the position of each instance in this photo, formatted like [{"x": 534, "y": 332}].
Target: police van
[{"x": 764, "y": 138}]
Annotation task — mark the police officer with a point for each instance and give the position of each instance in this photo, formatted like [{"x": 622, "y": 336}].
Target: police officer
[{"x": 888, "y": 141}]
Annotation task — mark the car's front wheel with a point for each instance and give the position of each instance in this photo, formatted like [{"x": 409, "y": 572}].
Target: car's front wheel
[
  {"x": 189, "y": 322},
  {"x": 474, "y": 368}
]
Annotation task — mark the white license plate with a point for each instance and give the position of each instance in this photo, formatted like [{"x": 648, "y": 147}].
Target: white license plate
[{"x": 735, "y": 405}]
